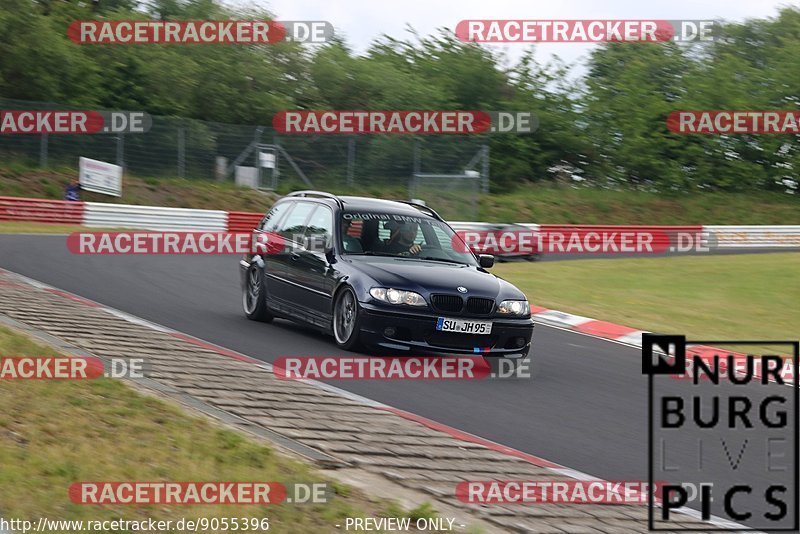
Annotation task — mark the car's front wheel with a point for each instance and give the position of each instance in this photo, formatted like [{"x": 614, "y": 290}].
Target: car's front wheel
[
  {"x": 254, "y": 295},
  {"x": 346, "y": 329}
]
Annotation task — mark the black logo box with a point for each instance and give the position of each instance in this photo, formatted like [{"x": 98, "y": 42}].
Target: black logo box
[{"x": 671, "y": 351}]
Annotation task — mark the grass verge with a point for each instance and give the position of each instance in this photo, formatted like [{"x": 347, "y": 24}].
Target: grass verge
[
  {"x": 25, "y": 227},
  {"x": 55, "y": 433},
  {"x": 586, "y": 205},
  {"x": 29, "y": 227},
  {"x": 748, "y": 296},
  {"x": 25, "y": 181}
]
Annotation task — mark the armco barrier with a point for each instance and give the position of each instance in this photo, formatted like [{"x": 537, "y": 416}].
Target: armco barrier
[
  {"x": 661, "y": 237},
  {"x": 243, "y": 221},
  {"x": 39, "y": 210},
  {"x": 586, "y": 228},
  {"x": 97, "y": 214},
  {"x": 153, "y": 217},
  {"x": 463, "y": 226},
  {"x": 754, "y": 236}
]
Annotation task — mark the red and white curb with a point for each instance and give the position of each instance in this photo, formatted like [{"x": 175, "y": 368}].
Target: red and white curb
[
  {"x": 551, "y": 317},
  {"x": 625, "y": 334},
  {"x": 588, "y": 326}
]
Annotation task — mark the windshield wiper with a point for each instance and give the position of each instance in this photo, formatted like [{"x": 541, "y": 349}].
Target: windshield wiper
[
  {"x": 432, "y": 258},
  {"x": 386, "y": 254},
  {"x": 370, "y": 253}
]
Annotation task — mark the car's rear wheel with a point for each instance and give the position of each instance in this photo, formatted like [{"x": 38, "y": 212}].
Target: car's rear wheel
[
  {"x": 254, "y": 296},
  {"x": 346, "y": 328}
]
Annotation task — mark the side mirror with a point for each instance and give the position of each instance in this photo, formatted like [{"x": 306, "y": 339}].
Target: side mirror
[
  {"x": 329, "y": 255},
  {"x": 486, "y": 260}
]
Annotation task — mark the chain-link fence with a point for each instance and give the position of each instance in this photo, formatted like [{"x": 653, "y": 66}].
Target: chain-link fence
[
  {"x": 462, "y": 193},
  {"x": 194, "y": 149}
]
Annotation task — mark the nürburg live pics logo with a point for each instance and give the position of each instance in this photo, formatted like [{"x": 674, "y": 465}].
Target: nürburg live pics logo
[{"x": 722, "y": 434}]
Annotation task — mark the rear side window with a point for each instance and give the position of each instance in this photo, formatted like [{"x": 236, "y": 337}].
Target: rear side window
[
  {"x": 271, "y": 220},
  {"x": 320, "y": 225},
  {"x": 293, "y": 225}
]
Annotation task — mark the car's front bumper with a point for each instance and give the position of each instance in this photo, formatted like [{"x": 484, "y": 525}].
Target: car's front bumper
[{"x": 416, "y": 331}]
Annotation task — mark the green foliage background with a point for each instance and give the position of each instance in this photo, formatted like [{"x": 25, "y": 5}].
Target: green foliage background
[{"x": 607, "y": 127}]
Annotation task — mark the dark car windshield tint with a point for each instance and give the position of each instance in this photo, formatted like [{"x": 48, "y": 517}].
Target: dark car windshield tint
[{"x": 391, "y": 234}]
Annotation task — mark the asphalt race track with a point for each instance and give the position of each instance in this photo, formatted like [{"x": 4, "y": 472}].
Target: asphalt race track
[{"x": 585, "y": 409}]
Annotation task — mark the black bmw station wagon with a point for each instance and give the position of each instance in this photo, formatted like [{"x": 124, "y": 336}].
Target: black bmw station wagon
[{"x": 381, "y": 274}]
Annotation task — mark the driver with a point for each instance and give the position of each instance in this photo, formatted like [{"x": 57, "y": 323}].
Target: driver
[{"x": 401, "y": 239}]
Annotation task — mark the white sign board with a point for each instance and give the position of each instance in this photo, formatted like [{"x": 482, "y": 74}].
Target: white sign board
[
  {"x": 266, "y": 160},
  {"x": 100, "y": 177},
  {"x": 246, "y": 177}
]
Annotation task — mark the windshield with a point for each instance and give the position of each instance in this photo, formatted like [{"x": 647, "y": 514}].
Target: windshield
[{"x": 408, "y": 236}]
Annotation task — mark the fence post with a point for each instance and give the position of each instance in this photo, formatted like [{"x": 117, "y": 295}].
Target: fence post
[
  {"x": 485, "y": 169},
  {"x": 417, "y": 157},
  {"x": 256, "y": 142},
  {"x": 276, "y": 171},
  {"x": 181, "y": 152},
  {"x": 43, "y": 151},
  {"x": 351, "y": 160},
  {"x": 120, "y": 150},
  {"x": 257, "y": 157}
]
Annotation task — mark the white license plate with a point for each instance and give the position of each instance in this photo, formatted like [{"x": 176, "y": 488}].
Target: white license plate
[{"x": 444, "y": 324}]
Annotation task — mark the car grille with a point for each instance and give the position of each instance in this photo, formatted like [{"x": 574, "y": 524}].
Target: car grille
[
  {"x": 455, "y": 304},
  {"x": 480, "y": 306},
  {"x": 447, "y": 303}
]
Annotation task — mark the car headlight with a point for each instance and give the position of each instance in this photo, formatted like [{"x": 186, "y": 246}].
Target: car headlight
[
  {"x": 397, "y": 296},
  {"x": 514, "y": 307}
]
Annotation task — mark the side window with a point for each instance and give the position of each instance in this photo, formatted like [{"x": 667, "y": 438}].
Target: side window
[
  {"x": 273, "y": 217},
  {"x": 319, "y": 228},
  {"x": 293, "y": 224}
]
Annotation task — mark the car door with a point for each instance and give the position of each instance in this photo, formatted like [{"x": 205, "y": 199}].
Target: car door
[
  {"x": 309, "y": 269},
  {"x": 291, "y": 229},
  {"x": 265, "y": 244}
]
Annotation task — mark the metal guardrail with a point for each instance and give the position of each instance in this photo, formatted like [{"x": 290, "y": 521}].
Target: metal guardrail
[
  {"x": 37, "y": 209},
  {"x": 754, "y": 236},
  {"x": 98, "y": 214},
  {"x": 243, "y": 221},
  {"x": 153, "y": 218},
  {"x": 466, "y": 225}
]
